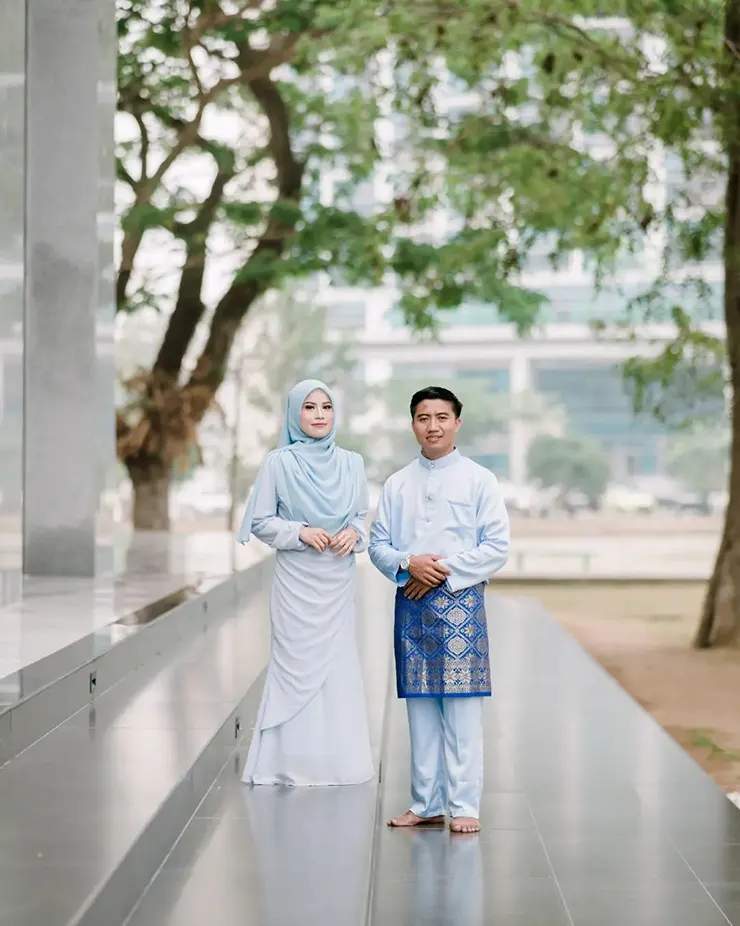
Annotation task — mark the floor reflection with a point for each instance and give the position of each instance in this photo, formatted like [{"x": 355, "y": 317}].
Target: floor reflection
[
  {"x": 313, "y": 848},
  {"x": 445, "y": 882}
]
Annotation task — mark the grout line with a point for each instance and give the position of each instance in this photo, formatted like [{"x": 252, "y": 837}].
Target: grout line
[
  {"x": 705, "y": 888},
  {"x": 550, "y": 865},
  {"x": 251, "y": 698},
  {"x": 384, "y": 736}
]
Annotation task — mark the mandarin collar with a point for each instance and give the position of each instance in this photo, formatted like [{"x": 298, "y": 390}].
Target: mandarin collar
[{"x": 442, "y": 463}]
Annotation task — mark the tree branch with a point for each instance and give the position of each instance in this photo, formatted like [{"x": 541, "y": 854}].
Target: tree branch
[
  {"x": 189, "y": 307},
  {"x": 248, "y": 284},
  {"x": 144, "y": 149},
  {"x": 132, "y": 237},
  {"x": 254, "y": 67},
  {"x": 125, "y": 176}
]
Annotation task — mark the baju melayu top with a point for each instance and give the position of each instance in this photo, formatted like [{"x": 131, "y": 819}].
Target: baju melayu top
[{"x": 454, "y": 508}]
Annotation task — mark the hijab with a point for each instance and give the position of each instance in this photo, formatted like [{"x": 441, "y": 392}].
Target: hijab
[{"x": 317, "y": 482}]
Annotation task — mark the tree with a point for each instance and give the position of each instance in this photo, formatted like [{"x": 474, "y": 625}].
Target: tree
[
  {"x": 570, "y": 464},
  {"x": 554, "y": 136},
  {"x": 558, "y": 127},
  {"x": 698, "y": 458},
  {"x": 227, "y": 130},
  {"x": 290, "y": 341}
]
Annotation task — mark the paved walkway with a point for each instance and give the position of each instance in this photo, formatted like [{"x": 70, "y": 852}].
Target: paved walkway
[{"x": 593, "y": 816}]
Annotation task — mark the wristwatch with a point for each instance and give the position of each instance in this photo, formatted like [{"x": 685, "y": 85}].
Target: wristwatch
[{"x": 405, "y": 563}]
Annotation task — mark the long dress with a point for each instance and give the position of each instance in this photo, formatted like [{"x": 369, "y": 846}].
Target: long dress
[{"x": 312, "y": 726}]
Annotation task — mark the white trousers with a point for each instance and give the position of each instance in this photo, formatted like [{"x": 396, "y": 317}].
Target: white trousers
[{"x": 446, "y": 756}]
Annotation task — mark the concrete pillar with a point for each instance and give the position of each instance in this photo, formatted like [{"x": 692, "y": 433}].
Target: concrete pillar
[
  {"x": 68, "y": 370},
  {"x": 12, "y": 159}
]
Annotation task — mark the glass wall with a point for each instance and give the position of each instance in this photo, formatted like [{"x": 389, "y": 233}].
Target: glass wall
[{"x": 12, "y": 181}]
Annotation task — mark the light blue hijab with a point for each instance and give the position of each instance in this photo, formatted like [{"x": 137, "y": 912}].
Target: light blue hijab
[{"x": 317, "y": 482}]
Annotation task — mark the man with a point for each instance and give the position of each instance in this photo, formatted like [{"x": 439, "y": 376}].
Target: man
[{"x": 441, "y": 531}]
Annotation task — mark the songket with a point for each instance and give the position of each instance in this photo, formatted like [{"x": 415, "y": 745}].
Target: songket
[{"x": 441, "y": 644}]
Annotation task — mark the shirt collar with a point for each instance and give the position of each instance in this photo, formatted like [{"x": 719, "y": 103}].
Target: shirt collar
[{"x": 442, "y": 463}]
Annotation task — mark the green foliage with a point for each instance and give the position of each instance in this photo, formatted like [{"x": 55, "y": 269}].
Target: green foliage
[
  {"x": 570, "y": 464},
  {"x": 684, "y": 380},
  {"x": 508, "y": 161},
  {"x": 526, "y": 120},
  {"x": 228, "y": 125}
]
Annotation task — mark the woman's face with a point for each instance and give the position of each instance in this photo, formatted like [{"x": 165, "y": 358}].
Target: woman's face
[{"x": 317, "y": 414}]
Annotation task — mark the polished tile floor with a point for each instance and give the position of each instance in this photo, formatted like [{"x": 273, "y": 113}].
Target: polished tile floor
[
  {"x": 593, "y": 816},
  {"x": 75, "y": 803}
]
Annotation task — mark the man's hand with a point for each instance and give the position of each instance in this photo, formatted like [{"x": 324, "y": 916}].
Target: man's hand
[
  {"x": 415, "y": 590},
  {"x": 315, "y": 537},
  {"x": 344, "y": 542},
  {"x": 427, "y": 569}
]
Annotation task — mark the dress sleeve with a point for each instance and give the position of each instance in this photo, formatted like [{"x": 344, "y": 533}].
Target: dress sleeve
[
  {"x": 267, "y": 525},
  {"x": 359, "y": 522},
  {"x": 492, "y": 552},
  {"x": 383, "y": 554}
]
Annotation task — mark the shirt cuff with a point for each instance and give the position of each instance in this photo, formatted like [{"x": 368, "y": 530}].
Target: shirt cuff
[{"x": 402, "y": 577}]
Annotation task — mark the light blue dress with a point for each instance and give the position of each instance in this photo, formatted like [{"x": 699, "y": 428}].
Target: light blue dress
[{"x": 312, "y": 726}]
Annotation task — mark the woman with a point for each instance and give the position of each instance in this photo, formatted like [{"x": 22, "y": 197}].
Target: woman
[{"x": 309, "y": 504}]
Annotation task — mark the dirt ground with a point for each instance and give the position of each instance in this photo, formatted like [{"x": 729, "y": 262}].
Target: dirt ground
[{"x": 641, "y": 634}]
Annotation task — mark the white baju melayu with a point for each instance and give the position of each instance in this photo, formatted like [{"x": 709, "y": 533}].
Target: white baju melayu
[
  {"x": 453, "y": 508},
  {"x": 312, "y": 724}
]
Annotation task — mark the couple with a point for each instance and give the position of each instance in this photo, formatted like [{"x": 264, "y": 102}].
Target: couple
[{"x": 441, "y": 531}]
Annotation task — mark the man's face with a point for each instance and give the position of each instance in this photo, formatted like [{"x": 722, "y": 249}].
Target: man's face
[{"x": 435, "y": 427}]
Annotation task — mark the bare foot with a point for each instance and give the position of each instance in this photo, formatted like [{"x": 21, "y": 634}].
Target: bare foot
[
  {"x": 465, "y": 825},
  {"x": 412, "y": 819}
]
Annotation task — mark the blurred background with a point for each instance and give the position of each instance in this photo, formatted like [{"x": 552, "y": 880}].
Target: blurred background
[{"x": 532, "y": 208}]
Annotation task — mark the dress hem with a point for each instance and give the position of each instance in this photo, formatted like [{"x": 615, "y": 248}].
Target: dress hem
[{"x": 274, "y": 783}]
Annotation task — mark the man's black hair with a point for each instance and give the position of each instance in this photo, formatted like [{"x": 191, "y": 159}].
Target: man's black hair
[{"x": 436, "y": 392}]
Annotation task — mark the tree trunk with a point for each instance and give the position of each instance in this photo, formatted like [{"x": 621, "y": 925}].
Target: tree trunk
[
  {"x": 720, "y": 620},
  {"x": 151, "y": 483}
]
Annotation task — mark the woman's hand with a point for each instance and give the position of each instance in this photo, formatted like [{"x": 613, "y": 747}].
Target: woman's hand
[
  {"x": 345, "y": 541},
  {"x": 315, "y": 537}
]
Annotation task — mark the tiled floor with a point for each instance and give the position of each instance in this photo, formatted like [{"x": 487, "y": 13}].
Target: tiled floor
[
  {"x": 592, "y": 817},
  {"x": 76, "y": 804},
  {"x": 281, "y": 856}
]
